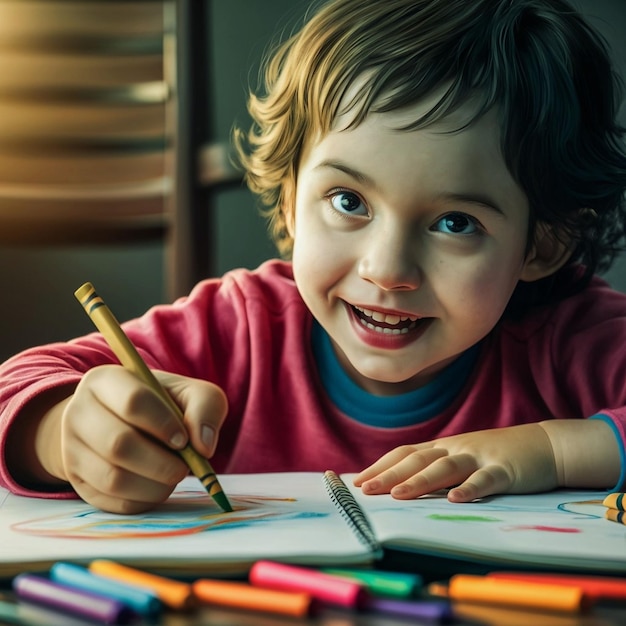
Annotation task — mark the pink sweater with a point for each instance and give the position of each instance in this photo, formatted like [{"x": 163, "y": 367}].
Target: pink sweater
[{"x": 250, "y": 333}]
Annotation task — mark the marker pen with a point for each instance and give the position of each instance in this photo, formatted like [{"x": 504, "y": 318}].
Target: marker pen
[
  {"x": 330, "y": 589},
  {"x": 422, "y": 610},
  {"x": 86, "y": 605},
  {"x": 594, "y": 587},
  {"x": 397, "y": 584},
  {"x": 140, "y": 599},
  {"x": 176, "y": 594},
  {"x": 465, "y": 587},
  {"x": 241, "y": 595}
]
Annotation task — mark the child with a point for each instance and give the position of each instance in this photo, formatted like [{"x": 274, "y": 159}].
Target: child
[{"x": 446, "y": 178}]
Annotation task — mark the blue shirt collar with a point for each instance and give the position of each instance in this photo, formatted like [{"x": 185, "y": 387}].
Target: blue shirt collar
[{"x": 404, "y": 409}]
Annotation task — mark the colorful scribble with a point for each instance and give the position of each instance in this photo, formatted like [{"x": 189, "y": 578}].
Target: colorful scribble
[
  {"x": 186, "y": 513},
  {"x": 544, "y": 529},
  {"x": 451, "y": 517}
]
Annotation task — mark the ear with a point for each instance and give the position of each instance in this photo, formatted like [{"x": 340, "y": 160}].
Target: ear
[{"x": 550, "y": 251}]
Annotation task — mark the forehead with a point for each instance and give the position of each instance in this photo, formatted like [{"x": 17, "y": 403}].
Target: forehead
[
  {"x": 455, "y": 155},
  {"x": 463, "y": 130}
]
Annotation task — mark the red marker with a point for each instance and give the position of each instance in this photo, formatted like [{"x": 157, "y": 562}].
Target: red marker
[{"x": 325, "y": 587}]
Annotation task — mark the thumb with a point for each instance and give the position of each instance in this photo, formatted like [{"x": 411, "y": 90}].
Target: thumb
[{"x": 204, "y": 406}]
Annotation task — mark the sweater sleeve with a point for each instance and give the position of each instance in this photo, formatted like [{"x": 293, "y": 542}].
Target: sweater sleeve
[
  {"x": 27, "y": 376},
  {"x": 169, "y": 337},
  {"x": 206, "y": 335}
]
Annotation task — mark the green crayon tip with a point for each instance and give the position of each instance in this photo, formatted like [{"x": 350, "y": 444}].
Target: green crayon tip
[{"x": 222, "y": 500}]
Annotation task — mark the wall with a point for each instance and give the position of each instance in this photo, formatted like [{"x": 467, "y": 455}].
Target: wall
[{"x": 38, "y": 284}]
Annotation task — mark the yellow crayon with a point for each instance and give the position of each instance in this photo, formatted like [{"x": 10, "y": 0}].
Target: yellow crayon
[
  {"x": 125, "y": 351},
  {"x": 615, "y": 501}
]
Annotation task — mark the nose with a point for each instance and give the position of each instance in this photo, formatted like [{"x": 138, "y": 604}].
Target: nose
[{"x": 389, "y": 259}]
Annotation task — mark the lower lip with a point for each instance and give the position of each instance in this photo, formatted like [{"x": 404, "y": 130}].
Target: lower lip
[{"x": 386, "y": 341}]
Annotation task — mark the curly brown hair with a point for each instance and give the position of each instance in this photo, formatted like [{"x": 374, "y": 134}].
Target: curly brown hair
[{"x": 537, "y": 62}]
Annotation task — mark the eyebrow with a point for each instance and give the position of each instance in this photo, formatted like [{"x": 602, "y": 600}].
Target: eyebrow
[
  {"x": 474, "y": 198},
  {"x": 480, "y": 199},
  {"x": 346, "y": 169}
]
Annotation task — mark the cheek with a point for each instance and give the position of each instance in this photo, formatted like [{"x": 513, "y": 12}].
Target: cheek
[
  {"x": 318, "y": 249},
  {"x": 478, "y": 291}
]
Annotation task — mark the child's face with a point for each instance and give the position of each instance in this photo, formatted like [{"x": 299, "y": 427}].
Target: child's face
[{"x": 421, "y": 235}]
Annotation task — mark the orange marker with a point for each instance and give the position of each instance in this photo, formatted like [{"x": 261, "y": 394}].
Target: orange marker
[
  {"x": 241, "y": 595},
  {"x": 533, "y": 595},
  {"x": 594, "y": 587},
  {"x": 173, "y": 593}
]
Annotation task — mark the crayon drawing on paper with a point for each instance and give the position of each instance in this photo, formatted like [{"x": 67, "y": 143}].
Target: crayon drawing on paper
[{"x": 185, "y": 513}]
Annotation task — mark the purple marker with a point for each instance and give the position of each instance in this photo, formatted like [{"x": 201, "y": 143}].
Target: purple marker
[
  {"x": 422, "y": 610},
  {"x": 83, "y": 604}
]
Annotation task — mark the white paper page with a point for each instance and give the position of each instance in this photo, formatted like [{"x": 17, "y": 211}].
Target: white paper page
[
  {"x": 281, "y": 516},
  {"x": 565, "y": 528}
]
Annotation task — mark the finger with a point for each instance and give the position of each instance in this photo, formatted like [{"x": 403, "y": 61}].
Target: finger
[
  {"x": 204, "y": 406},
  {"x": 386, "y": 461},
  {"x": 404, "y": 469},
  {"x": 103, "y": 435},
  {"x": 132, "y": 401},
  {"x": 484, "y": 482},
  {"x": 440, "y": 474},
  {"x": 114, "y": 489}
]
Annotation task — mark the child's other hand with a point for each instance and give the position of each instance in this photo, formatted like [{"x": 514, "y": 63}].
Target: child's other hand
[
  {"x": 115, "y": 441},
  {"x": 518, "y": 459}
]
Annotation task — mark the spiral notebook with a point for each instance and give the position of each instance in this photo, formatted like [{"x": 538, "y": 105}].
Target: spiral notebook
[{"x": 313, "y": 519}]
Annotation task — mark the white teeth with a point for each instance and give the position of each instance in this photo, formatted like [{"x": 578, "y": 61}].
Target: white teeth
[
  {"x": 387, "y": 331},
  {"x": 392, "y": 320}
]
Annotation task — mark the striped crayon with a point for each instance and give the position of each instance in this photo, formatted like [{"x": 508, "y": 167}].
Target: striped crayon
[
  {"x": 615, "y": 501},
  {"x": 125, "y": 351}
]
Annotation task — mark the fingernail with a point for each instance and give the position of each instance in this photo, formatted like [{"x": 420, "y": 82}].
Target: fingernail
[
  {"x": 178, "y": 440},
  {"x": 208, "y": 436}
]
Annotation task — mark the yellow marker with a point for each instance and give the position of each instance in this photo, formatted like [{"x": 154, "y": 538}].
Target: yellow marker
[{"x": 126, "y": 352}]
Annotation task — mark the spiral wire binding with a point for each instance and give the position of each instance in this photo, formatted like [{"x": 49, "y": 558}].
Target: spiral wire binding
[{"x": 351, "y": 511}]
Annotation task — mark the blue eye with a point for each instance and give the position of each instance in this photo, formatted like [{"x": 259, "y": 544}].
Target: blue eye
[
  {"x": 348, "y": 203},
  {"x": 456, "y": 224}
]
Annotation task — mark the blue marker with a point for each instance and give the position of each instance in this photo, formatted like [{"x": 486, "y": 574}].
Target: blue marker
[{"x": 141, "y": 600}]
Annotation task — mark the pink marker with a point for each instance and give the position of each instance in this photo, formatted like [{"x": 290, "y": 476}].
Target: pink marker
[{"x": 325, "y": 587}]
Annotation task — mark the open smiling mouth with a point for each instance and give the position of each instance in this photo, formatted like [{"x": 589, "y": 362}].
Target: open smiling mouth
[{"x": 384, "y": 323}]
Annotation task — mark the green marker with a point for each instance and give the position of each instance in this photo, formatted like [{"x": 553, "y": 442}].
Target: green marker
[{"x": 396, "y": 584}]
